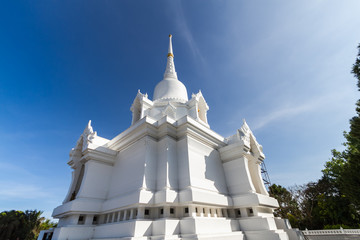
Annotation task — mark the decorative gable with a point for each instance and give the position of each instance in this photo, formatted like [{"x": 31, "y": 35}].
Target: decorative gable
[
  {"x": 140, "y": 105},
  {"x": 170, "y": 111},
  {"x": 201, "y": 107},
  {"x": 82, "y": 144},
  {"x": 247, "y": 138}
]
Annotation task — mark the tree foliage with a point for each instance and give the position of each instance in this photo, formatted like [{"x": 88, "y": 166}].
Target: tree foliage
[
  {"x": 22, "y": 225},
  {"x": 289, "y": 207},
  {"x": 314, "y": 205},
  {"x": 344, "y": 167},
  {"x": 350, "y": 178}
]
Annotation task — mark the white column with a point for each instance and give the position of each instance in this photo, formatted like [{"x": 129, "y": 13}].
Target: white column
[
  {"x": 131, "y": 213},
  {"x": 141, "y": 212},
  {"x": 225, "y": 212},
  {"x": 192, "y": 212},
  {"x": 219, "y": 212},
  {"x": 88, "y": 219},
  {"x": 166, "y": 211},
  {"x": 231, "y": 213},
  {"x": 213, "y": 212},
  {"x": 244, "y": 212},
  {"x": 202, "y": 210},
  {"x": 102, "y": 219},
  {"x": 207, "y": 212},
  {"x": 125, "y": 213}
]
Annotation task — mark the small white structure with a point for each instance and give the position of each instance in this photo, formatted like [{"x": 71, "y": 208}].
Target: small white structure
[{"x": 168, "y": 176}]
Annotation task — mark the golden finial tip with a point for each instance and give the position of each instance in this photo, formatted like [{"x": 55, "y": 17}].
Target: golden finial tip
[{"x": 170, "y": 35}]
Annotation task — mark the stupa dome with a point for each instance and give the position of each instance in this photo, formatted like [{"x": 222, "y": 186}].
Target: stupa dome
[{"x": 170, "y": 89}]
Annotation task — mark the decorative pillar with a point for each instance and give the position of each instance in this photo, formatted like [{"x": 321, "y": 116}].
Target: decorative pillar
[
  {"x": 219, "y": 212},
  {"x": 225, "y": 212},
  {"x": 141, "y": 212},
  {"x": 207, "y": 212},
  {"x": 131, "y": 213},
  {"x": 244, "y": 212},
  {"x": 88, "y": 219},
  {"x": 125, "y": 213},
  {"x": 213, "y": 212},
  {"x": 192, "y": 212},
  {"x": 232, "y": 213},
  {"x": 202, "y": 210},
  {"x": 166, "y": 212}
]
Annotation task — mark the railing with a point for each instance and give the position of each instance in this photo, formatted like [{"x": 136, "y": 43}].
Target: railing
[{"x": 332, "y": 232}]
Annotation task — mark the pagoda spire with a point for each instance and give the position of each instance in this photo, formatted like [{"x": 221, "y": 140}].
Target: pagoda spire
[{"x": 170, "y": 72}]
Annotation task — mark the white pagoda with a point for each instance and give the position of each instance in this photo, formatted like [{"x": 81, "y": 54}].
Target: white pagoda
[{"x": 168, "y": 176}]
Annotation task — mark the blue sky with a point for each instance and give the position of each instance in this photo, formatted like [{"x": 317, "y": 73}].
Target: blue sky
[{"x": 284, "y": 66}]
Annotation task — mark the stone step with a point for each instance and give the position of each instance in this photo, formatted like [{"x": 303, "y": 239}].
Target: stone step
[
  {"x": 123, "y": 238},
  {"x": 223, "y": 236}
]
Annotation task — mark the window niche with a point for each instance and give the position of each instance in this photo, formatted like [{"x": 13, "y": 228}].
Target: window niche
[
  {"x": 81, "y": 220},
  {"x": 95, "y": 220}
]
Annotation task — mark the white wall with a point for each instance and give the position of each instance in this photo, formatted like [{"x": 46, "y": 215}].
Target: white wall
[
  {"x": 95, "y": 181},
  {"x": 128, "y": 170},
  {"x": 183, "y": 163},
  {"x": 238, "y": 176},
  {"x": 167, "y": 175},
  {"x": 206, "y": 168}
]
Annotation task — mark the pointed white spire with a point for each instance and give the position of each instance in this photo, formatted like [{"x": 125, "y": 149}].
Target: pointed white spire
[
  {"x": 170, "y": 88},
  {"x": 170, "y": 66},
  {"x": 170, "y": 52}
]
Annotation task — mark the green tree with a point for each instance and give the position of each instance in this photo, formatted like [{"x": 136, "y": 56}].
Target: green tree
[
  {"x": 350, "y": 178},
  {"x": 315, "y": 205},
  {"x": 10, "y": 225},
  {"x": 323, "y": 204},
  {"x": 288, "y": 206},
  {"x": 22, "y": 225}
]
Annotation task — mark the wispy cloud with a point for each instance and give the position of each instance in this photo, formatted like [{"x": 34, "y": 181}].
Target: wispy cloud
[
  {"x": 23, "y": 191},
  {"x": 291, "y": 110},
  {"x": 283, "y": 112},
  {"x": 16, "y": 170},
  {"x": 185, "y": 30}
]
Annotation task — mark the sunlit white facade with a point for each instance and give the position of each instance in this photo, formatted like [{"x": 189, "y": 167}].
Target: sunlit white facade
[{"x": 168, "y": 176}]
